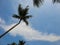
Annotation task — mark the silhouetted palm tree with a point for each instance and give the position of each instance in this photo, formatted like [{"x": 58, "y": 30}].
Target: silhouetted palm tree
[
  {"x": 37, "y": 2},
  {"x": 22, "y": 15}
]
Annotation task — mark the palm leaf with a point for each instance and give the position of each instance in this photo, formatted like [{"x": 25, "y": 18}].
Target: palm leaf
[
  {"x": 25, "y": 11},
  {"x": 37, "y": 2},
  {"x": 16, "y": 16},
  {"x": 28, "y": 16},
  {"x": 20, "y": 9},
  {"x": 25, "y": 21}
]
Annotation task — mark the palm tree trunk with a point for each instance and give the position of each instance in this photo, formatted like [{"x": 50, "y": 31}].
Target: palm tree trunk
[{"x": 9, "y": 29}]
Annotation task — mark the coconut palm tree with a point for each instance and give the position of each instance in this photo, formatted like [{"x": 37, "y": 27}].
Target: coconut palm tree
[
  {"x": 37, "y": 2},
  {"x": 22, "y": 15}
]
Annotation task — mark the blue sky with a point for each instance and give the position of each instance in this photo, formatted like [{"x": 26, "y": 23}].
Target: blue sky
[{"x": 44, "y": 26}]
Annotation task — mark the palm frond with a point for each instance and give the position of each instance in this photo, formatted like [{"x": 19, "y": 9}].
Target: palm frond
[
  {"x": 56, "y": 1},
  {"x": 25, "y": 21},
  {"x": 28, "y": 16},
  {"x": 16, "y": 16},
  {"x": 37, "y": 2},
  {"x": 20, "y": 9},
  {"x": 25, "y": 11}
]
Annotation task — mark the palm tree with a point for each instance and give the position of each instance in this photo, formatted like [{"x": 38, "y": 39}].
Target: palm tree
[
  {"x": 37, "y": 2},
  {"x": 22, "y": 15}
]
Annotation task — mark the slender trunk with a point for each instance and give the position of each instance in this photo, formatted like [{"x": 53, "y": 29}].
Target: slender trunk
[{"x": 9, "y": 29}]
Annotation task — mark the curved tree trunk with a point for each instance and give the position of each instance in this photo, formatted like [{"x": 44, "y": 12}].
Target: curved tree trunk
[{"x": 9, "y": 29}]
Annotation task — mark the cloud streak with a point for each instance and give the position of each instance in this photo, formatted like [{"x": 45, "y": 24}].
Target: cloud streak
[{"x": 29, "y": 33}]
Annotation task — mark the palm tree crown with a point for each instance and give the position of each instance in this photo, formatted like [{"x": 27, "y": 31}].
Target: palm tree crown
[{"x": 22, "y": 14}]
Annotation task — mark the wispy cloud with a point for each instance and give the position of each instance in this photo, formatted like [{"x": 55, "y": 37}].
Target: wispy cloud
[{"x": 29, "y": 33}]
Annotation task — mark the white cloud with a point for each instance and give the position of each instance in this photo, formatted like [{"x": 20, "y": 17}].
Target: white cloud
[{"x": 29, "y": 33}]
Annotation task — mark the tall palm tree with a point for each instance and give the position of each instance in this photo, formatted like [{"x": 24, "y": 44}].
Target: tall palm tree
[
  {"x": 37, "y": 2},
  {"x": 22, "y": 15}
]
